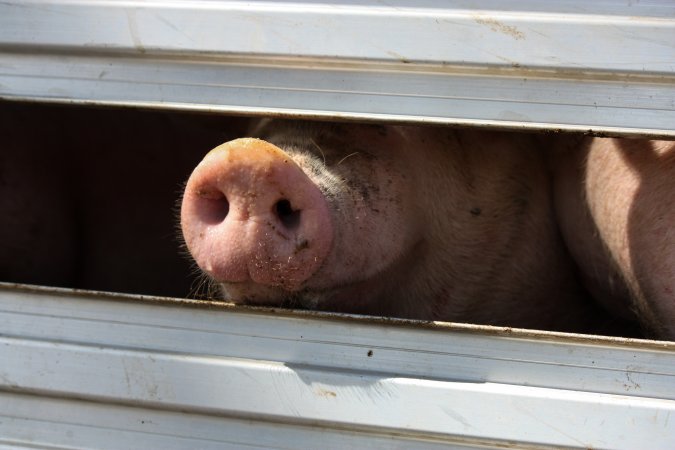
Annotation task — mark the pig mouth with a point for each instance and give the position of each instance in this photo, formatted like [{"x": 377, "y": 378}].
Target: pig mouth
[
  {"x": 364, "y": 296},
  {"x": 263, "y": 296},
  {"x": 275, "y": 297},
  {"x": 356, "y": 298}
]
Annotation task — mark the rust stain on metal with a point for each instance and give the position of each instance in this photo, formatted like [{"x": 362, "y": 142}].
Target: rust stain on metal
[
  {"x": 499, "y": 27},
  {"x": 325, "y": 393}
]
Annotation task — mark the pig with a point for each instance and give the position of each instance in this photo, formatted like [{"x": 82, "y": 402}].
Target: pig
[
  {"x": 615, "y": 202},
  {"x": 426, "y": 223}
]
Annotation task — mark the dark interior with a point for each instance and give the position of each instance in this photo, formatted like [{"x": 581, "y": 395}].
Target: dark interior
[{"x": 89, "y": 195}]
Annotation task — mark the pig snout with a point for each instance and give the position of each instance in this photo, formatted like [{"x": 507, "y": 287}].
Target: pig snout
[{"x": 251, "y": 214}]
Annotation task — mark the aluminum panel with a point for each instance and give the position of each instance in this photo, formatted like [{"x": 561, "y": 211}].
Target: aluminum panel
[
  {"x": 30, "y": 421},
  {"x": 604, "y": 66},
  {"x": 356, "y": 381}
]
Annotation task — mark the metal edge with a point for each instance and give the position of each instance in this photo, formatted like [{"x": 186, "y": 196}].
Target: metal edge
[
  {"x": 148, "y": 413},
  {"x": 484, "y": 330},
  {"x": 399, "y": 119},
  {"x": 343, "y": 63}
]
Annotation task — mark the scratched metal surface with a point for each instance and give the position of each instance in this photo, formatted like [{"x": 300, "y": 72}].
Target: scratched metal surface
[
  {"x": 95, "y": 370},
  {"x": 605, "y": 66}
]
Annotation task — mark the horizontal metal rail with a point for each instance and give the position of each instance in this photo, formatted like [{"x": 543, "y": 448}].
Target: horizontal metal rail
[
  {"x": 112, "y": 371},
  {"x": 602, "y": 67}
]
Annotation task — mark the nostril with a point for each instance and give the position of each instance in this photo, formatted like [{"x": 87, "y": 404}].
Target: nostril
[
  {"x": 289, "y": 217},
  {"x": 213, "y": 206}
]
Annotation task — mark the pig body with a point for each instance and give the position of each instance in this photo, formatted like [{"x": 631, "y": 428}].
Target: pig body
[
  {"x": 423, "y": 223},
  {"x": 615, "y": 201}
]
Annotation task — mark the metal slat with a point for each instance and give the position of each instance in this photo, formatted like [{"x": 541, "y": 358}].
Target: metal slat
[
  {"x": 604, "y": 66},
  {"x": 474, "y": 357},
  {"x": 126, "y": 369},
  {"x": 34, "y": 421}
]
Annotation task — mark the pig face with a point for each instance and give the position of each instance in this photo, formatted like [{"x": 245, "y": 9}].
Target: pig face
[
  {"x": 306, "y": 217},
  {"x": 415, "y": 222}
]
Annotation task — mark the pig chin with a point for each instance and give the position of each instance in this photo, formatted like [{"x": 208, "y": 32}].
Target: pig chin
[
  {"x": 357, "y": 296},
  {"x": 247, "y": 293},
  {"x": 270, "y": 296},
  {"x": 339, "y": 299},
  {"x": 365, "y": 291}
]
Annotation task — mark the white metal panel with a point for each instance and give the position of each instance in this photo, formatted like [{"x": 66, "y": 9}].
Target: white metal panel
[
  {"x": 473, "y": 33},
  {"x": 36, "y": 421},
  {"x": 566, "y": 64},
  {"x": 114, "y": 370}
]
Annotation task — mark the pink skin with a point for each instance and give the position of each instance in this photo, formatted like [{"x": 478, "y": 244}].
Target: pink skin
[
  {"x": 616, "y": 207},
  {"x": 258, "y": 259},
  {"x": 425, "y": 223},
  {"x": 250, "y": 214}
]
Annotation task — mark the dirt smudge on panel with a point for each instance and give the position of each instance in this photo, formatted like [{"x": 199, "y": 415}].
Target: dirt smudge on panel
[{"x": 499, "y": 27}]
